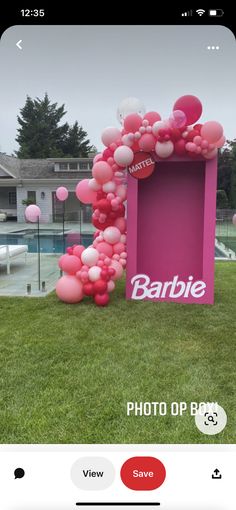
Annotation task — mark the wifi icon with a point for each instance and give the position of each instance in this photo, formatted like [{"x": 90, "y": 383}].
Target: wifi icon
[{"x": 200, "y": 12}]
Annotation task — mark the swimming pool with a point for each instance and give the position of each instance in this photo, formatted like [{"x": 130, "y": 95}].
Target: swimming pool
[{"x": 51, "y": 241}]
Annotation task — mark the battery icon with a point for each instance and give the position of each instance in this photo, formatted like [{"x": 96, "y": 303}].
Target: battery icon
[{"x": 216, "y": 12}]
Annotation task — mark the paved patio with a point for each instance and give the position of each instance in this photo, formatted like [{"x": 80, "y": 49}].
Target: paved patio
[{"x": 22, "y": 274}]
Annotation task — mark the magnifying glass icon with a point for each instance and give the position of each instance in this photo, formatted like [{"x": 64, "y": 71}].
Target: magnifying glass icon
[{"x": 210, "y": 418}]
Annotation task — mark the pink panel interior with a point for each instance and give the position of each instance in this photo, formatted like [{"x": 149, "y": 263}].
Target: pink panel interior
[{"x": 171, "y": 221}]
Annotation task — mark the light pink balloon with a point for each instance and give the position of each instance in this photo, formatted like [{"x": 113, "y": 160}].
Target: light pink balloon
[
  {"x": 110, "y": 286},
  {"x": 105, "y": 248},
  {"x": 118, "y": 270},
  {"x": 62, "y": 193},
  {"x": 120, "y": 223},
  {"x": 102, "y": 172},
  {"x": 78, "y": 249},
  {"x": 147, "y": 142},
  {"x": 94, "y": 185},
  {"x": 111, "y": 235},
  {"x": 152, "y": 117},
  {"x": 234, "y": 219},
  {"x": 69, "y": 264},
  {"x": 212, "y": 131},
  {"x": 177, "y": 119},
  {"x": 111, "y": 135},
  {"x": 119, "y": 248},
  {"x": 160, "y": 124},
  {"x": 212, "y": 154},
  {"x": 84, "y": 193},
  {"x": 220, "y": 142},
  {"x": 165, "y": 149},
  {"x": 69, "y": 289},
  {"x": 94, "y": 273},
  {"x": 122, "y": 191},
  {"x": 123, "y": 155},
  {"x": 98, "y": 157},
  {"x": 32, "y": 213}
]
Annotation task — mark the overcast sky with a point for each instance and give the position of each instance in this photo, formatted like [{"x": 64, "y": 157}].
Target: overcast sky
[{"x": 92, "y": 68}]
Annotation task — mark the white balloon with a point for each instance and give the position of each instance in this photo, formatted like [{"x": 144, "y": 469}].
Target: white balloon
[
  {"x": 94, "y": 185},
  {"x": 130, "y": 105},
  {"x": 90, "y": 256},
  {"x": 165, "y": 149},
  {"x": 94, "y": 273},
  {"x": 109, "y": 186}
]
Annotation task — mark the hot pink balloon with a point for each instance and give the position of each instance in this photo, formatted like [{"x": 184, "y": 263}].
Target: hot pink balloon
[
  {"x": 62, "y": 193},
  {"x": 84, "y": 193},
  {"x": 212, "y": 131},
  {"x": 102, "y": 172},
  {"x": 191, "y": 106},
  {"x": 147, "y": 142},
  {"x": 152, "y": 117},
  {"x": 132, "y": 122},
  {"x": 120, "y": 223},
  {"x": 69, "y": 289},
  {"x": 78, "y": 249},
  {"x": 111, "y": 135},
  {"x": 32, "y": 213},
  {"x": 177, "y": 119}
]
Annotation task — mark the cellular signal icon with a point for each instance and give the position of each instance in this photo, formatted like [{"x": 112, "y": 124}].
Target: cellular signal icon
[{"x": 187, "y": 13}]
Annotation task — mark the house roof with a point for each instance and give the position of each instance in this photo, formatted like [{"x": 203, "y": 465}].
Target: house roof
[{"x": 39, "y": 168}]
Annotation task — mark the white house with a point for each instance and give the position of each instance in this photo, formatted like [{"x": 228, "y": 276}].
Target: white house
[{"x": 37, "y": 180}]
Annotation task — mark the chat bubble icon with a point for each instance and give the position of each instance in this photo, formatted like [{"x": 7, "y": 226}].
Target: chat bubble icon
[{"x": 19, "y": 473}]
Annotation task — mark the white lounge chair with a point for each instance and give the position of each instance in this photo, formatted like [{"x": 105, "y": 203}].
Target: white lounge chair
[{"x": 8, "y": 252}]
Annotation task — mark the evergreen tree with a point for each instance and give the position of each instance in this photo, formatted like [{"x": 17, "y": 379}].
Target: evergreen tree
[
  {"x": 76, "y": 143},
  {"x": 227, "y": 172}
]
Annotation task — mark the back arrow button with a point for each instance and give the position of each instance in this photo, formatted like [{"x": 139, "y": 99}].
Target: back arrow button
[{"x": 18, "y": 44}]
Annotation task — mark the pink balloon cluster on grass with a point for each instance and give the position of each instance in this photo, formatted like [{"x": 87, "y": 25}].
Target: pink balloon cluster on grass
[{"x": 93, "y": 271}]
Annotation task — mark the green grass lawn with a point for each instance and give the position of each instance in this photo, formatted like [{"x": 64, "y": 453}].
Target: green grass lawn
[{"x": 67, "y": 371}]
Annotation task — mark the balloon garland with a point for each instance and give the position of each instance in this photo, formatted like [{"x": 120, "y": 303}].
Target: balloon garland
[{"x": 93, "y": 271}]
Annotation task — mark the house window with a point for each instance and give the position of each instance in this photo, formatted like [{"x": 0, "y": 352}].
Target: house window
[
  {"x": 73, "y": 166},
  {"x": 31, "y": 195},
  {"x": 12, "y": 197},
  {"x": 63, "y": 166},
  {"x": 83, "y": 166}
]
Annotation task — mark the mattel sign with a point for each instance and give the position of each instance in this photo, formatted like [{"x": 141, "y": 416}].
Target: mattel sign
[{"x": 171, "y": 228}]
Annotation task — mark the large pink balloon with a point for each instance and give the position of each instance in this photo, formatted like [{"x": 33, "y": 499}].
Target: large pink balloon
[
  {"x": 84, "y": 193},
  {"x": 132, "y": 122},
  {"x": 152, "y": 117},
  {"x": 62, "y": 193},
  {"x": 111, "y": 135},
  {"x": 212, "y": 131},
  {"x": 69, "y": 264},
  {"x": 191, "y": 106},
  {"x": 32, "y": 213},
  {"x": 69, "y": 289},
  {"x": 102, "y": 172}
]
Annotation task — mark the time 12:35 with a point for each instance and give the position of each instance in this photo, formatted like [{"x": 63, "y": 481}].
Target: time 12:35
[{"x": 33, "y": 12}]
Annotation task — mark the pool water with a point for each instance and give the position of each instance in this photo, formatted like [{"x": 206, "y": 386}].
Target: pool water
[{"x": 51, "y": 241}]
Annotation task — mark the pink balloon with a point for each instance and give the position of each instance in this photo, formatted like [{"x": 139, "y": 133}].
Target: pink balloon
[
  {"x": 123, "y": 156},
  {"x": 102, "y": 172},
  {"x": 84, "y": 193},
  {"x": 118, "y": 270},
  {"x": 78, "y": 249},
  {"x": 69, "y": 289},
  {"x": 191, "y": 106},
  {"x": 111, "y": 135},
  {"x": 177, "y": 119},
  {"x": 111, "y": 235},
  {"x": 110, "y": 286},
  {"x": 191, "y": 147},
  {"x": 212, "y": 131},
  {"x": 69, "y": 264},
  {"x": 98, "y": 157},
  {"x": 62, "y": 193},
  {"x": 120, "y": 223},
  {"x": 32, "y": 213},
  {"x": 234, "y": 219},
  {"x": 152, "y": 117},
  {"x": 132, "y": 122},
  {"x": 212, "y": 154},
  {"x": 220, "y": 142},
  {"x": 147, "y": 142},
  {"x": 165, "y": 149},
  {"x": 119, "y": 248},
  {"x": 105, "y": 248}
]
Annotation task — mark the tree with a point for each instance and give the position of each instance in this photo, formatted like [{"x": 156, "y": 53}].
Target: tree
[
  {"x": 227, "y": 172},
  {"x": 41, "y": 135},
  {"x": 76, "y": 143}
]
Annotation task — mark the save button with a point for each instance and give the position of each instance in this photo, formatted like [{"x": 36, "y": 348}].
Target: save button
[{"x": 143, "y": 473}]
